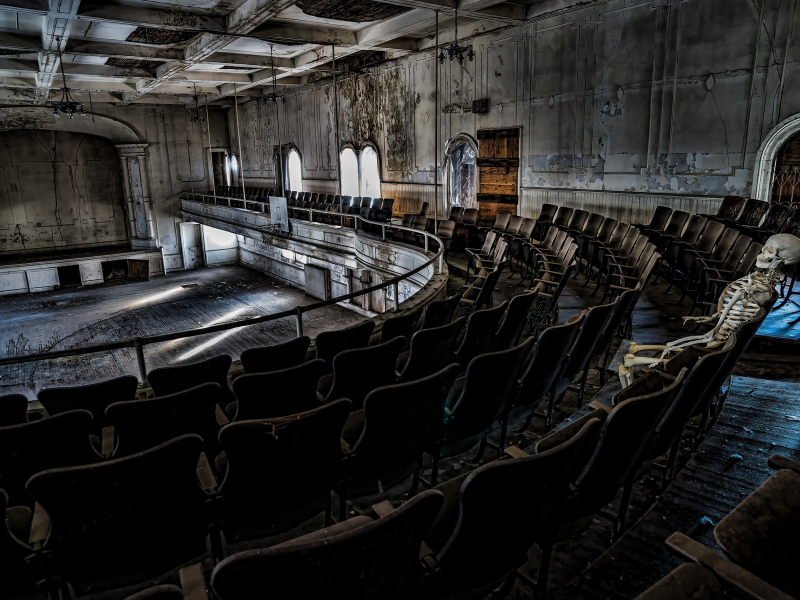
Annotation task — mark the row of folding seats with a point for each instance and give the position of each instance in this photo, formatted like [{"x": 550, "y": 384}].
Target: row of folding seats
[{"x": 512, "y": 504}]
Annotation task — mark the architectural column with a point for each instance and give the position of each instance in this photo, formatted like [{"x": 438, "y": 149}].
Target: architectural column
[{"x": 137, "y": 195}]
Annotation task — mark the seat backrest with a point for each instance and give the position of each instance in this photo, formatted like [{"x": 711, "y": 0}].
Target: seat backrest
[
  {"x": 278, "y": 465},
  {"x": 775, "y": 218},
  {"x": 752, "y": 213},
  {"x": 527, "y": 227},
  {"x": 490, "y": 381},
  {"x": 578, "y": 220},
  {"x": 620, "y": 232},
  {"x": 501, "y": 222},
  {"x": 488, "y": 242},
  {"x": 432, "y": 350},
  {"x": 403, "y": 326},
  {"x": 563, "y": 216},
  {"x": 559, "y": 242},
  {"x": 487, "y": 289},
  {"x": 747, "y": 262},
  {"x": 424, "y": 209},
  {"x": 761, "y": 532},
  {"x": 446, "y": 229},
  {"x": 278, "y": 393},
  {"x": 711, "y": 234},
  {"x": 508, "y": 506},
  {"x": 93, "y": 397},
  {"x": 402, "y": 421},
  {"x": 407, "y": 220},
  {"x": 736, "y": 254},
  {"x": 499, "y": 252},
  {"x": 366, "y": 202},
  {"x": 456, "y": 212},
  {"x": 420, "y": 222},
  {"x": 480, "y": 334},
  {"x": 622, "y": 306},
  {"x": 633, "y": 256},
  {"x": 592, "y": 225},
  {"x": 171, "y": 380},
  {"x": 144, "y": 424},
  {"x": 676, "y": 223},
  {"x": 106, "y": 517},
  {"x": 331, "y": 343},
  {"x": 13, "y": 409},
  {"x": 550, "y": 238},
  {"x": 547, "y": 213},
  {"x": 470, "y": 216},
  {"x": 276, "y": 357},
  {"x": 701, "y": 373},
  {"x": 645, "y": 273},
  {"x": 25, "y": 449},
  {"x": 606, "y": 230},
  {"x": 724, "y": 244},
  {"x": 440, "y": 312},
  {"x": 359, "y": 371},
  {"x": 549, "y": 360},
  {"x": 730, "y": 207},
  {"x": 583, "y": 349},
  {"x": 625, "y": 435},
  {"x": 376, "y": 560},
  {"x": 660, "y": 218},
  {"x": 631, "y": 237},
  {"x": 514, "y": 225},
  {"x": 514, "y": 321},
  {"x": 694, "y": 228}
]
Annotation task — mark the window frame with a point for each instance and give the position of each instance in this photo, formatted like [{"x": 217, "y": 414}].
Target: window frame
[{"x": 358, "y": 151}]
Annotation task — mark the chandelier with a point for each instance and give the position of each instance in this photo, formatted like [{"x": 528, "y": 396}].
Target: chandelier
[
  {"x": 273, "y": 97},
  {"x": 66, "y": 105},
  {"x": 455, "y": 51},
  {"x": 197, "y": 118}
]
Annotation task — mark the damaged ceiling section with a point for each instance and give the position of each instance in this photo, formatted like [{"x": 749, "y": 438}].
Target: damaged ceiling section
[{"x": 356, "y": 11}]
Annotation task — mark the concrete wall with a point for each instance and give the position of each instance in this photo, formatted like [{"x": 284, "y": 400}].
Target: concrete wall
[
  {"x": 59, "y": 190},
  {"x": 623, "y": 104},
  {"x": 177, "y": 160}
]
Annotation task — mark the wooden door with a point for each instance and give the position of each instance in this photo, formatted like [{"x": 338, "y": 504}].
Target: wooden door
[
  {"x": 138, "y": 270},
  {"x": 360, "y": 280},
  {"x": 498, "y": 161}
]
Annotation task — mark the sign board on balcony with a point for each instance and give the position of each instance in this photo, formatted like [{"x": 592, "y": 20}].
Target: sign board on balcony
[{"x": 278, "y": 214}]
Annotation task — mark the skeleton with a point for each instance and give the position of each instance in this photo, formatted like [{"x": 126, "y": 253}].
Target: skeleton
[{"x": 739, "y": 303}]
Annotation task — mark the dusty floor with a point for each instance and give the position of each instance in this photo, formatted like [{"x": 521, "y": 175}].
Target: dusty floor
[
  {"x": 78, "y": 317},
  {"x": 753, "y": 425}
]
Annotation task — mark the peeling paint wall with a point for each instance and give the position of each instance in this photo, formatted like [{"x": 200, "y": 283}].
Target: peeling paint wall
[
  {"x": 659, "y": 98},
  {"x": 59, "y": 190}
]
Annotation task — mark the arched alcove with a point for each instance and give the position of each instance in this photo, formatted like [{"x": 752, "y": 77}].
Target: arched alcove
[
  {"x": 768, "y": 152},
  {"x": 42, "y": 118},
  {"x": 461, "y": 154}
]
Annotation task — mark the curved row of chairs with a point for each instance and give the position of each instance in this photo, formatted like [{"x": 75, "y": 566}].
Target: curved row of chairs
[{"x": 102, "y": 518}]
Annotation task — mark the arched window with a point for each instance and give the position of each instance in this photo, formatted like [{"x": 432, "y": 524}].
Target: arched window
[
  {"x": 348, "y": 163},
  {"x": 294, "y": 170},
  {"x": 462, "y": 173},
  {"x": 370, "y": 174}
]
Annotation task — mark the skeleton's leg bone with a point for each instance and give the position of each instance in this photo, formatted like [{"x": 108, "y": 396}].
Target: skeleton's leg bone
[
  {"x": 631, "y": 360},
  {"x": 625, "y": 376},
  {"x": 634, "y": 348}
]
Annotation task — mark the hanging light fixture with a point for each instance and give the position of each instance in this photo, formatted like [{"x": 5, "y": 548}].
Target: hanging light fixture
[
  {"x": 197, "y": 118},
  {"x": 66, "y": 105},
  {"x": 273, "y": 96},
  {"x": 454, "y": 51}
]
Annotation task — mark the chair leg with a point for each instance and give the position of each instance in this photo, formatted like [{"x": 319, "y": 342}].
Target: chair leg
[
  {"x": 435, "y": 467},
  {"x": 582, "y": 389},
  {"x": 414, "y": 483},
  {"x": 544, "y": 569},
  {"x": 481, "y": 450},
  {"x": 501, "y": 445},
  {"x": 343, "y": 503},
  {"x": 624, "y": 502},
  {"x": 669, "y": 473}
]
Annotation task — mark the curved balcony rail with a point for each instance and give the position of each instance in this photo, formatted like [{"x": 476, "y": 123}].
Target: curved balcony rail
[{"x": 138, "y": 343}]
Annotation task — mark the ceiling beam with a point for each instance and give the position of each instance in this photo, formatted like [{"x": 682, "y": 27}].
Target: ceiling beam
[
  {"x": 114, "y": 12},
  {"x": 248, "y": 61},
  {"x": 82, "y": 47},
  {"x": 290, "y": 32},
  {"x": 244, "y": 19},
  {"x": 56, "y": 27}
]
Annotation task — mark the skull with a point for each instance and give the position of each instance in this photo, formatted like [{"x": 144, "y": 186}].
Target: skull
[{"x": 781, "y": 249}]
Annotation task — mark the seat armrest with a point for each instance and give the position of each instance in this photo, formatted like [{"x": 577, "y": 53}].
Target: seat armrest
[
  {"x": 545, "y": 282},
  {"x": 776, "y": 461},
  {"x": 742, "y": 579},
  {"x": 205, "y": 475},
  {"x": 515, "y": 452},
  {"x": 569, "y": 431},
  {"x": 40, "y": 527},
  {"x": 193, "y": 583},
  {"x": 383, "y": 508}
]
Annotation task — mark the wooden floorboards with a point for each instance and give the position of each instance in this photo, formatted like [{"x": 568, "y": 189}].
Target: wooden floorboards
[{"x": 73, "y": 318}]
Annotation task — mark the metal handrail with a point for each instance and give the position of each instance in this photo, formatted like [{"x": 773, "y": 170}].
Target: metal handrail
[{"x": 138, "y": 343}]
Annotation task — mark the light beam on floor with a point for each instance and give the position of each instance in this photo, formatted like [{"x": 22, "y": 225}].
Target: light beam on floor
[
  {"x": 159, "y": 296},
  {"x": 214, "y": 340}
]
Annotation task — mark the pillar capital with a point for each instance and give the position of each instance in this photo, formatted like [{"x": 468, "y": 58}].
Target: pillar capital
[{"x": 130, "y": 150}]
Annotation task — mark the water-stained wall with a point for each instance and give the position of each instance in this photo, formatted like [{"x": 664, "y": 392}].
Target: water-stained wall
[
  {"x": 59, "y": 190},
  {"x": 621, "y": 101},
  {"x": 65, "y": 189}
]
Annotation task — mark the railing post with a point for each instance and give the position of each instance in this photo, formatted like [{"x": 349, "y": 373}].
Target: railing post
[
  {"x": 396, "y": 292},
  {"x": 426, "y": 242},
  {"x": 383, "y": 232},
  {"x": 441, "y": 263},
  {"x": 139, "y": 349},
  {"x": 298, "y": 315}
]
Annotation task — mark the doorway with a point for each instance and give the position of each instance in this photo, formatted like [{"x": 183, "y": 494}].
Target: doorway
[
  {"x": 220, "y": 168},
  {"x": 192, "y": 245},
  {"x": 462, "y": 172}
]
